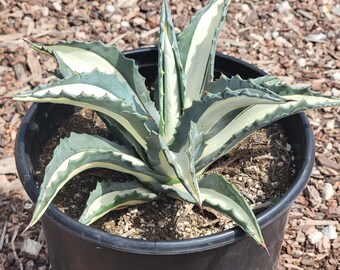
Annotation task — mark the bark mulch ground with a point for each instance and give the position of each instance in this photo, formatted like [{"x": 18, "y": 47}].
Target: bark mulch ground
[{"x": 296, "y": 40}]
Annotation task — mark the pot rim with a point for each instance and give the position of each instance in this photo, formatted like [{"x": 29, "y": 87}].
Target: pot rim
[{"x": 147, "y": 247}]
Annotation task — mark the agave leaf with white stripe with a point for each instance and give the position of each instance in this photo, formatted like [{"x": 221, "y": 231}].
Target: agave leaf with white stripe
[
  {"x": 195, "y": 144},
  {"x": 214, "y": 108},
  {"x": 267, "y": 79},
  {"x": 122, "y": 137},
  {"x": 181, "y": 163},
  {"x": 228, "y": 133},
  {"x": 187, "y": 160},
  {"x": 170, "y": 76},
  {"x": 197, "y": 45},
  {"x": 219, "y": 194},
  {"x": 109, "y": 196},
  {"x": 81, "y": 152},
  {"x": 196, "y": 136},
  {"x": 156, "y": 157},
  {"x": 83, "y": 57},
  {"x": 97, "y": 91},
  {"x": 236, "y": 84}
]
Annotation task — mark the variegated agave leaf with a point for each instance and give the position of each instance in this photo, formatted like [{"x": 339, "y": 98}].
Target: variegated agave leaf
[
  {"x": 229, "y": 132},
  {"x": 81, "y": 152},
  {"x": 218, "y": 193},
  {"x": 83, "y": 57},
  {"x": 122, "y": 137},
  {"x": 197, "y": 45},
  {"x": 181, "y": 162},
  {"x": 109, "y": 196},
  {"x": 170, "y": 77},
  {"x": 216, "y": 109},
  {"x": 98, "y": 91},
  {"x": 157, "y": 158}
]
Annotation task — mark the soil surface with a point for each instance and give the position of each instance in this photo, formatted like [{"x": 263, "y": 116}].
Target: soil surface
[{"x": 296, "y": 40}]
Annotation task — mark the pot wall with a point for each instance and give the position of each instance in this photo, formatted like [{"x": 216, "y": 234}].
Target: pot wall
[
  {"x": 72, "y": 245},
  {"x": 71, "y": 252},
  {"x": 84, "y": 248}
]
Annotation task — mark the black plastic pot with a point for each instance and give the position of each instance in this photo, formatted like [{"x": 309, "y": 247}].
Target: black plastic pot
[{"x": 72, "y": 245}]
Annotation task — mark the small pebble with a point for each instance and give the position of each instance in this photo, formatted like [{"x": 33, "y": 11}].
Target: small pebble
[
  {"x": 57, "y": 6},
  {"x": 275, "y": 34},
  {"x": 335, "y": 92},
  {"x": 330, "y": 232},
  {"x": 257, "y": 37},
  {"x": 336, "y": 76},
  {"x": 315, "y": 237},
  {"x": 316, "y": 37},
  {"x": 336, "y": 10},
  {"x": 110, "y": 8},
  {"x": 328, "y": 191},
  {"x": 138, "y": 21},
  {"x": 28, "y": 205},
  {"x": 329, "y": 146},
  {"x": 331, "y": 34},
  {"x": 280, "y": 41},
  {"x": 300, "y": 237},
  {"x": 310, "y": 52},
  {"x": 330, "y": 125},
  {"x": 330, "y": 64},
  {"x": 116, "y": 18},
  {"x": 45, "y": 11},
  {"x": 301, "y": 62},
  {"x": 275, "y": 184},
  {"x": 267, "y": 36},
  {"x": 297, "y": 253},
  {"x": 245, "y": 8},
  {"x": 125, "y": 24},
  {"x": 284, "y": 7}
]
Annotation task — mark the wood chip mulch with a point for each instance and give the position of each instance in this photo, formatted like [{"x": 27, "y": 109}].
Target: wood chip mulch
[{"x": 296, "y": 40}]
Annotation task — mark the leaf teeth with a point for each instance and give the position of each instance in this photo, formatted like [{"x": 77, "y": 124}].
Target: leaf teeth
[
  {"x": 213, "y": 107},
  {"x": 195, "y": 143},
  {"x": 254, "y": 118},
  {"x": 195, "y": 140},
  {"x": 238, "y": 85},
  {"x": 103, "y": 94},
  {"x": 110, "y": 196},
  {"x": 219, "y": 194},
  {"x": 197, "y": 47},
  {"x": 170, "y": 77},
  {"x": 180, "y": 162},
  {"x": 80, "y": 152},
  {"x": 41, "y": 48},
  {"x": 88, "y": 56}
]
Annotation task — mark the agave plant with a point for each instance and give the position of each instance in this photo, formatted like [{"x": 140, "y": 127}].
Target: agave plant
[{"x": 166, "y": 143}]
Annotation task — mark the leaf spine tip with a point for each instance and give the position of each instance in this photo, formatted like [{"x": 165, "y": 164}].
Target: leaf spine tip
[
  {"x": 27, "y": 41},
  {"x": 265, "y": 247},
  {"x": 28, "y": 226}
]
